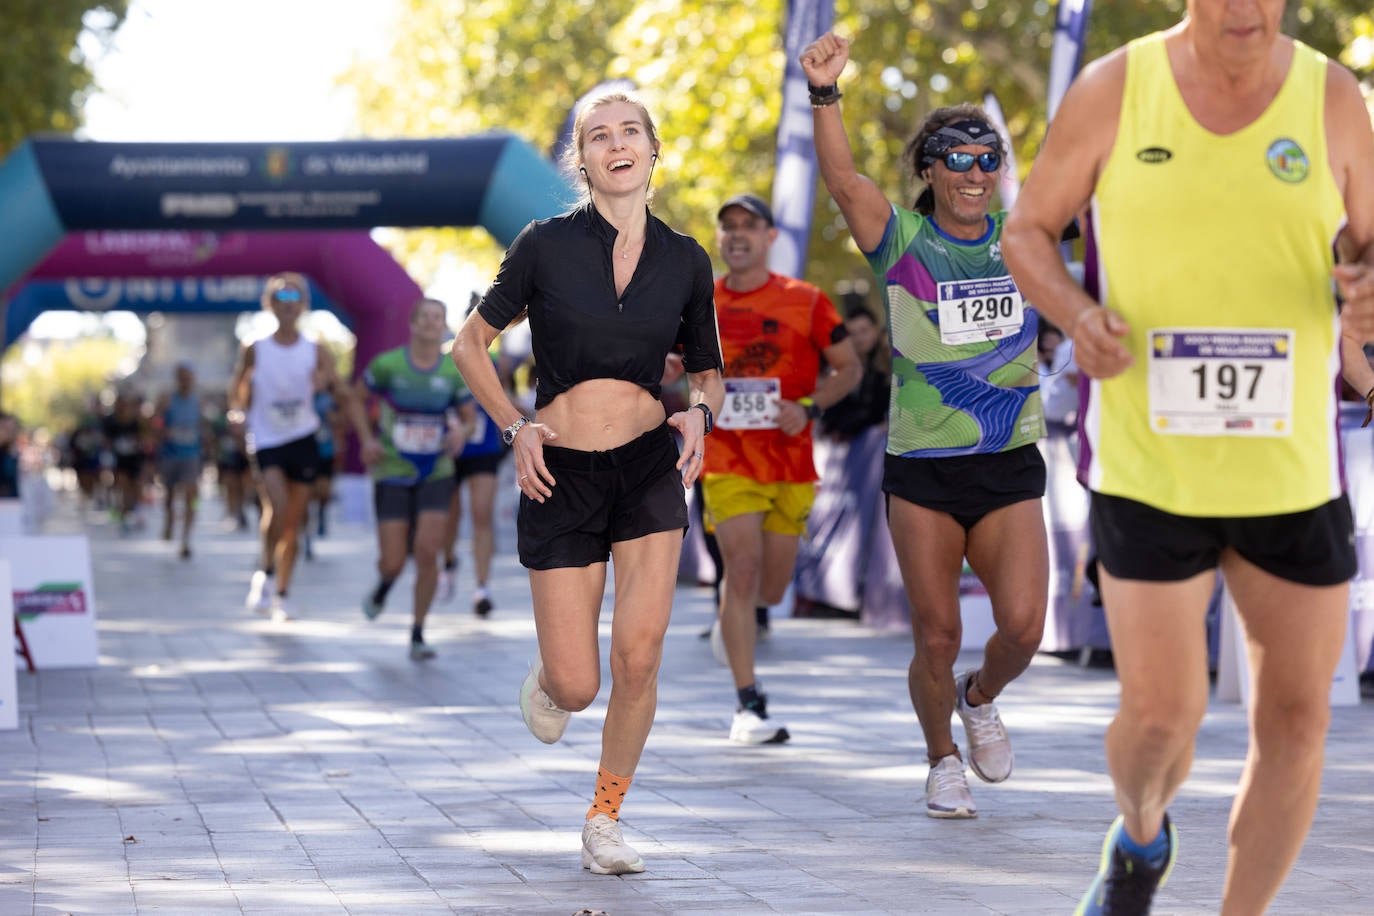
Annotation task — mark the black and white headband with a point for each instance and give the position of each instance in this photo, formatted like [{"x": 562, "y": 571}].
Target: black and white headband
[{"x": 973, "y": 132}]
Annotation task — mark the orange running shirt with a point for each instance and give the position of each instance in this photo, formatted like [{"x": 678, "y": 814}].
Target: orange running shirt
[{"x": 777, "y": 331}]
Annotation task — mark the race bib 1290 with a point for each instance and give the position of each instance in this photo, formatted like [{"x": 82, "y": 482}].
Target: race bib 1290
[{"x": 979, "y": 310}]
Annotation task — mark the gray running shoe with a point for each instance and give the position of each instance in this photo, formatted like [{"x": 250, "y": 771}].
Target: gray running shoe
[
  {"x": 989, "y": 748},
  {"x": 947, "y": 794},
  {"x": 544, "y": 720},
  {"x": 603, "y": 848}
]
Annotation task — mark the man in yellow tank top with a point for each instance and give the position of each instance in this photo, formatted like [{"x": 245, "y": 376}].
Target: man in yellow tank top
[{"x": 1222, "y": 161}]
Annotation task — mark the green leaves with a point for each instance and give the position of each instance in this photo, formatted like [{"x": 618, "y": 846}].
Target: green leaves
[
  {"x": 712, "y": 75},
  {"x": 45, "y": 77}
]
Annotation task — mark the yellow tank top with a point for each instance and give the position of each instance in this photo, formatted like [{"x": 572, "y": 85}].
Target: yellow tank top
[{"x": 1217, "y": 250}]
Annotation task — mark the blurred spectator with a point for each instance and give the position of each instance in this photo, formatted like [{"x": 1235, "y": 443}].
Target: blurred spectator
[
  {"x": 866, "y": 405},
  {"x": 9, "y": 456}
]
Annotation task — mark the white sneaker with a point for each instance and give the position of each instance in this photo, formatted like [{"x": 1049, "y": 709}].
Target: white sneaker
[
  {"x": 604, "y": 850},
  {"x": 718, "y": 644},
  {"x": 989, "y": 748},
  {"x": 448, "y": 582},
  {"x": 259, "y": 598},
  {"x": 280, "y": 610},
  {"x": 751, "y": 728},
  {"x": 947, "y": 793},
  {"x": 544, "y": 720}
]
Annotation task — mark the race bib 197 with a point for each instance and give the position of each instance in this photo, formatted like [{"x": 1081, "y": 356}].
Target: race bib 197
[
  {"x": 750, "y": 403},
  {"x": 979, "y": 310},
  {"x": 1221, "y": 381}
]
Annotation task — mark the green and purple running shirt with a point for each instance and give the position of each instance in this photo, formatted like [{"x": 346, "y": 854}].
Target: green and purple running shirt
[{"x": 965, "y": 377}]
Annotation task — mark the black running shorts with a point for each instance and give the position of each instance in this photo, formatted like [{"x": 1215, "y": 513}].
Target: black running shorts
[
  {"x": 967, "y": 487},
  {"x": 601, "y": 498},
  {"x": 1138, "y": 541}
]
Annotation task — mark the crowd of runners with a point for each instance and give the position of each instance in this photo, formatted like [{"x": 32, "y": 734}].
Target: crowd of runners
[{"x": 1224, "y": 211}]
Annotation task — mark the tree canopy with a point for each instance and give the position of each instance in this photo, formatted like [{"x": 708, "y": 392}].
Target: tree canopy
[
  {"x": 711, "y": 74},
  {"x": 46, "y": 74}
]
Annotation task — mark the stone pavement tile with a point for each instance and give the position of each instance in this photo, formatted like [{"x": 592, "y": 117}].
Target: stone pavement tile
[
  {"x": 425, "y": 777},
  {"x": 86, "y": 896}
]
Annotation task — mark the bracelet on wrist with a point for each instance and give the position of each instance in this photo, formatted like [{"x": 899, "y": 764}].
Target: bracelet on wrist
[
  {"x": 822, "y": 96},
  {"x": 705, "y": 412}
]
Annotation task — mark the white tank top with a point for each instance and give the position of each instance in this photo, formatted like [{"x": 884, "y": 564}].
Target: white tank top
[{"x": 282, "y": 408}]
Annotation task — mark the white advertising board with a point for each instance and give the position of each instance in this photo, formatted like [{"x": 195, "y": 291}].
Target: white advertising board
[
  {"x": 9, "y": 686},
  {"x": 54, "y": 598}
]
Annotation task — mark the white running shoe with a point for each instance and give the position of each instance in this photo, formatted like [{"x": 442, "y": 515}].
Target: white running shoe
[
  {"x": 280, "y": 610},
  {"x": 448, "y": 584},
  {"x": 989, "y": 748},
  {"x": 544, "y": 720},
  {"x": 718, "y": 644},
  {"x": 947, "y": 793},
  {"x": 259, "y": 599},
  {"x": 420, "y": 651},
  {"x": 604, "y": 850},
  {"x": 751, "y": 728}
]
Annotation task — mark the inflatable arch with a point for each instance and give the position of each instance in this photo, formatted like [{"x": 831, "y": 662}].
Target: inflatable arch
[{"x": 76, "y": 209}]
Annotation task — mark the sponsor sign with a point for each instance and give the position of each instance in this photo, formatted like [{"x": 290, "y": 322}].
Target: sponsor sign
[
  {"x": 52, "y": 596},
  {"x": 9, "y": 686},
  {"x": 205, "y": 186}
]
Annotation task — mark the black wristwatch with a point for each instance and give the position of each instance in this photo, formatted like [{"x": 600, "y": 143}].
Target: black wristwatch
[
  {"x": 813, "y": 410},
  {"x": 508, "y": 434},
  {"x": 710, "y": 420}
]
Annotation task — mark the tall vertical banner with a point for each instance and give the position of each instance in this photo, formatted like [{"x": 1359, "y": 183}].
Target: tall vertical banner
[
  {"x": 1066, "y": 55},
  {"x": 794, "y": 176},
  {"x": 1009, "y": 181}
]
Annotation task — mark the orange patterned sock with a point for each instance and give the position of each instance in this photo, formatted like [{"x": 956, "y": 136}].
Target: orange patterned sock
[{"x": 610, "y": 792}]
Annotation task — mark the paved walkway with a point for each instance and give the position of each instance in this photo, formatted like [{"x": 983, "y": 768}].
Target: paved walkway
[{"x": 219, "y": 763}]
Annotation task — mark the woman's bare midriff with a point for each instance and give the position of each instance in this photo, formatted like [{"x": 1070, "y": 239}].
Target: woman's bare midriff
[{"x": 599, "y": 414}]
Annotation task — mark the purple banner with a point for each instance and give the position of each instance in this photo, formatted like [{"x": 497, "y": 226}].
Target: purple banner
[
  {"x": 1066, "y": 55},
  {"x": 794, "y": 178}
]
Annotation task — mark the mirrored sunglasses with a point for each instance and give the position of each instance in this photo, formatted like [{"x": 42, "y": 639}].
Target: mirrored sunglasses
[
  {"x": 962, "y": 162},
  {"x": 290, "y": 294}
]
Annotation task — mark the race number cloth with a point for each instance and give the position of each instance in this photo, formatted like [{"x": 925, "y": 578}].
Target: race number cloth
[
  {"x": 1221, "y": 382},
  {"x": 964, "y": 376},
  {"x": 772, "y": 339},
  {"x": 283, "y": 385},
  {"x": 1223, "y": 276},
  {"x": 750, "y": 403},
  {"x": 413, "y": 420}
]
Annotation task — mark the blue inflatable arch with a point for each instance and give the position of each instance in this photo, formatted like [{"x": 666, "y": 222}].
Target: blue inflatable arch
[{"x": 53, "y": 187}]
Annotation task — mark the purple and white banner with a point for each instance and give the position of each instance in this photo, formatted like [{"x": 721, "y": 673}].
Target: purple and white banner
[
  {"x": 1066, "y": 55},
  {"x": 1009, "y": 182},
  {"x": 794, "y": 176}
]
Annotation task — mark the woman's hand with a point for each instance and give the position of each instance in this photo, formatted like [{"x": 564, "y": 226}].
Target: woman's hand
[
  {"x": 532, "y": 476},
  {"x": 691, "y": 425}
]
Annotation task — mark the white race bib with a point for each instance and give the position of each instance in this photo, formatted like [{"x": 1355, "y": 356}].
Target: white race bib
[
  {"x": 282, "y": 414},
  {"x": 1221, "y": 381},
  {"x": 750, "y": 403},
  {"x": 418, "y": 433},
  {"x": 979, "y": 310}
]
